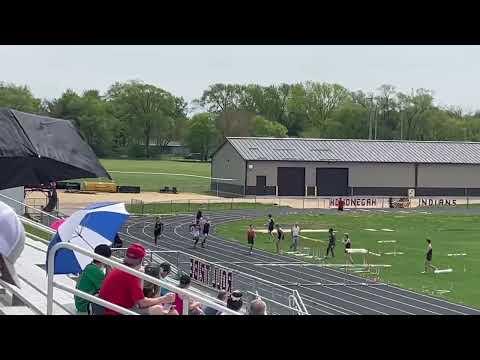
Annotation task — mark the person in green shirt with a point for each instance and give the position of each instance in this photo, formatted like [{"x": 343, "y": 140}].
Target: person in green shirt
[{"x": 91, "y": 278}]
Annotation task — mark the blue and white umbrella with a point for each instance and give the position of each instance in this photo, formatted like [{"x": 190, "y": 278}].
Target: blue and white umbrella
[{"x": 95, "y": 225}]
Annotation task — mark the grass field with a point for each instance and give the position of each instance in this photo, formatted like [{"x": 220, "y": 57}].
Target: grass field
[
  {"x": 39, "y": 233},
  {"x": 155, "y": 182},
  {"x": 189, "y": 207},
  {"x": 450, "y": 233}
]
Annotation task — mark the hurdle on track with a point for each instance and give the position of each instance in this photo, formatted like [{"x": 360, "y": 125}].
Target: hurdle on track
[{"x": 442, "y": 271}]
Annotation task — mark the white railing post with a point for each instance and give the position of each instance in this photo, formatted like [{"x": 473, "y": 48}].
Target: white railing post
[
  {"x": 185, "y": 293},
  {"x": 50, "y": 268},
  {"x": 186, "y": 307}
]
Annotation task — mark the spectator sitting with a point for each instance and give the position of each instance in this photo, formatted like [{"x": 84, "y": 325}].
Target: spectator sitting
[
  {"x": 117, "y": 242},
  {"x": 222, "y": 296},
  {"x": 258, "y": 307},
  {"x": 151, "y": 290},
  {"x": 126, "y": 290},
  {"x": 91, "y": 278},
  {"x": 196, "y": 311},
  {"x": 234, "y": 301},
  {"x": 193, "y": 306},
  {"x": 165, "y": 270}
]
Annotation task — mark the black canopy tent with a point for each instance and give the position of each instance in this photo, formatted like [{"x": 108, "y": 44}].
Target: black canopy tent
[{"x": 38, "y": 150}]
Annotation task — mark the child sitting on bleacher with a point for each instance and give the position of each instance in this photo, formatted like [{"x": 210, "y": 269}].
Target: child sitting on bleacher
[{"x": 91, "y": 278}]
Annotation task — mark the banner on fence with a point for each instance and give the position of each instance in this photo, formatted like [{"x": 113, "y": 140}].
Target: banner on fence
[
  {"x": 357, "y": 202},
  {"x": 208, "y": 275},
  {"x": 429, "y": 202}
]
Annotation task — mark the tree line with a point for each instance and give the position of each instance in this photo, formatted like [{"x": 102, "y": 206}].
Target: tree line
[{"x": 139, "y": 120}]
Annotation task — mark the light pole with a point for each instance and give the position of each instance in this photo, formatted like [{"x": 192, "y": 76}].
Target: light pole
[{"x": 370, "y": 118}]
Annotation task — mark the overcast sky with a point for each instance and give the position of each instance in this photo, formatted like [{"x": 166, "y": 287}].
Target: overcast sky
[{"x": 452, "y": 72}]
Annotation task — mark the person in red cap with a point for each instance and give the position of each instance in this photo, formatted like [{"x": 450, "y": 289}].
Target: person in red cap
[{"x": 126, "y": 290}]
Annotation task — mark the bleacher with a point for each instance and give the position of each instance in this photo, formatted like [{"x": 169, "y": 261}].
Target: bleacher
[{"x": 31, "y": 297}]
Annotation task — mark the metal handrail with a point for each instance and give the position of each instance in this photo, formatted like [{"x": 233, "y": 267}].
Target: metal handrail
[
  {"x": 94, "y": 299},
  {"x": 184, "y": 292},
  {"x": 29, "y": 207},
  {"x": 256, "y": 279},
  {"x": 16, "y": 291},
  {"x": 51, "y": 231},
  {"x": 38, "y": 225},
  {"x": 299, "y": 301}
]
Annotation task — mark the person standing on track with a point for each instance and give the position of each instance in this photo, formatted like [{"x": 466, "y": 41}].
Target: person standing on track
[
  {"x": 428, "y": 257},
  {"x": 270, "y": 225},
  {"x": 348, "y": 245},
  {"x": 158, "y": 229},
  {"x": 295, "y": 237},
  {"x": 205, "y": 231},
  {"x": 198, "y": 217},
  {"x": 331, "y": 243},
  {"x": 251, "y": 235},
  {"x": 280, "y": 237}
]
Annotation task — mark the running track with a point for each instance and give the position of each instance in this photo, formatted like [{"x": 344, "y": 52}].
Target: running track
[{"x": 319, "y": 300}]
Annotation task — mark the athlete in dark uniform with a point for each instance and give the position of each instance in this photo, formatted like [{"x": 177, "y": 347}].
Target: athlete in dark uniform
[
  {"x": 157, "y": 231},
  {"x": 280, "y": 237},
  {"x": 331, "y": 243},
  {"x": 270, "y": 225},
  {"x": 428, "y": 257},
  {"x": 348, "y": 245},
  {"x": 198, "y": 217},
  {"x": 206, "y": 230}
]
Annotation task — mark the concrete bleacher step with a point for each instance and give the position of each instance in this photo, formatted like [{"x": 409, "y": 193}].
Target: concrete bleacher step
[
  {"x": 36, "y": 281},
  {"x": 37, "y": 245},
  {"x": 16, "y": 310},
  {"x": 33, "y": 281}
]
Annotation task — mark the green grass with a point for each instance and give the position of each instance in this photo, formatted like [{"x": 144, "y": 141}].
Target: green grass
[
  {"x": 449, "y": 234},
  {"x": 155, "y": 182},
  {"x": 173, "y": 207},
  {"x": 42, "y": 234}
]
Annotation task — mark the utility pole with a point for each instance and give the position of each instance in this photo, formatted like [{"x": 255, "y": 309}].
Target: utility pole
[{"x": 370, "y": 109}]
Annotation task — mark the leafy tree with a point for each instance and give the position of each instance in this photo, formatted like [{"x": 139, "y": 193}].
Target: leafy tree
[
  {"x": 221, "y": 98},
  {"x": 412, "y": 108},
  {"x": 317, "y": 102},
  {"x": 19, "y": 98},
  {"x": 264, "y": 128},
  {"x": 91, "y": 114},
  {"x": 149, "y": 111},
  {"x": 201, "y": 135}
]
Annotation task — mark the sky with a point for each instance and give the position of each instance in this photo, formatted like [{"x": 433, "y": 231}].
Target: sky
[{"x": 452, "y": 72}]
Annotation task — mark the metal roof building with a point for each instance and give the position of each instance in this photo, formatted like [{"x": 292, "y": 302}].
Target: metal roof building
[{"x": 326, "y": 167}]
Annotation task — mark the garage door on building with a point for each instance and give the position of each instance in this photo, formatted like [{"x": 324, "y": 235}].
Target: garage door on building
[
  {"x": 332, "y": 182},
  {"x": 291, "y": 181}
]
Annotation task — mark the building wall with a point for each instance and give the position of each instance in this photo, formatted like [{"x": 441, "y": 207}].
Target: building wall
[
  {"x": 364, "y": 178},
  {"x": 360, "y": 175},
  {"x": 227, "y": 164},
  {"x": 449, "y": 176},
  {"x": 14, "y": 193}
]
